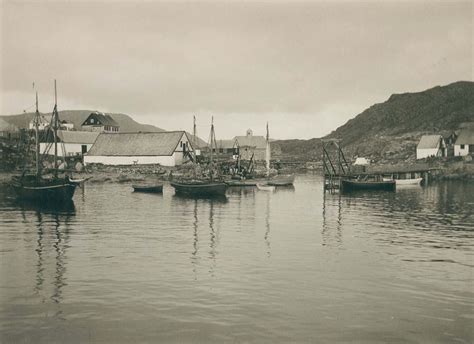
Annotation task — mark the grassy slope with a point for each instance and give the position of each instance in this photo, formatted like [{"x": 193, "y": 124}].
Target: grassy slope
[{"x": 391, "y": 130}]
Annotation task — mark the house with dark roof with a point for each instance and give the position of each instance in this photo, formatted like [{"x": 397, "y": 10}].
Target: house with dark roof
[
  {"x": 99, "y": 122},
  {"x": 431, "y": 146},
  {"x": 251, "y": 145},
  {"x": 70, "y": 143},
  {"x": 464, "y": 144},
  {"x": 169, "y": 148}
]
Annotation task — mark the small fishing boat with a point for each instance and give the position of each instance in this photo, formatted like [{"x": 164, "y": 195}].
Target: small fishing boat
[
  {"x": 202, "y": 187},
  {"x": 199, "y": 188},
  {"x": 149, "y": 188},
  {"x": 265, "y": 187},
  {"x": 282, "y": 180},
  {"x": 353, "y": 184},
  {"x": 36, "y": 186},
  {"x": 243, "y": 182},
  {"x": 411, "y": 181}
]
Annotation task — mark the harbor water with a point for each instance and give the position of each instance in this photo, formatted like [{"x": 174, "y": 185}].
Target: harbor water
[{"x": 293, "y": 265}]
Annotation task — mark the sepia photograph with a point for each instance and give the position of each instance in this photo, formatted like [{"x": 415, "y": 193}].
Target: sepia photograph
[{"x": 236, "y": 171}]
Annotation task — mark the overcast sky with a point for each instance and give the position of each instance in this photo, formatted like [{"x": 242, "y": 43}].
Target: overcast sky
[{"x": 305, "y": 67}]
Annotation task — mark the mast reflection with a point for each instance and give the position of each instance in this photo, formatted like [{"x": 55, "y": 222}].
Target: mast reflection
[{"x": 332, "y": 209}]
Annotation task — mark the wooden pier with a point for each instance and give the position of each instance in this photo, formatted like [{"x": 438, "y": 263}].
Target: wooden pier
[{"x": 335, "y": 165}]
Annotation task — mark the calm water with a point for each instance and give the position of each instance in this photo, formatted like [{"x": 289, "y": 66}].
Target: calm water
[{"x": 290, "y": 266}]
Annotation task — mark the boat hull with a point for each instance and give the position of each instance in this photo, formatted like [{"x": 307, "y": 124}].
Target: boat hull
[
  {"x": 204, "y": 189},
  {"x": 414, "y": 181},
  {"x": 265, "y": 187},
  {"x": 352, "y": 185},
  {"x": 282, "y": 180},
  {"x": 148, "y": 188},
  {"x": 45, "y": 193}
]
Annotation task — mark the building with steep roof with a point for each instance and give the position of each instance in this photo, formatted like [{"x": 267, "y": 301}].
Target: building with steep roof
[
  {"x": 70, "y": 143},
  {"x": 431, "y": 146},
  {"x": 100, "y": 122},
  {"x": 464, "y": 144},
  {"x": 251, "y": 145},
  {"x": 169, "y": 148}
]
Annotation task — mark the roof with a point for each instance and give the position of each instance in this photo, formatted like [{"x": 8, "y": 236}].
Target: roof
[
  {"x": 136, "y": 144},
  {"x": 429, "y": 141},
  {"x": 225, "y": 144},
  {"x": 465, "y": 137},
  {"x": 251, "y": 141},
  {"x": 104, "y": 119},
  {"x": 77, "y": 136}
]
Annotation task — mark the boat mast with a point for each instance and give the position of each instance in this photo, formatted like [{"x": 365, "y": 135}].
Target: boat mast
[
  {"x": 37, "y": 118},
  {"x": 55, "y": 129},
  {"x": 267, "y": 153},
  {"x": 212, "y": 145},
  {"x": 194, "y": 137}
]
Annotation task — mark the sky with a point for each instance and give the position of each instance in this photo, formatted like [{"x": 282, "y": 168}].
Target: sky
[{"x": 304, "y": 67}]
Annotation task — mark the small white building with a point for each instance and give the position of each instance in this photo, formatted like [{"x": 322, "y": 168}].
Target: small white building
[
  {"x": 431, "y": 146},
  {"x": 70, "y": 143},
  {"x": 464, "y": 144},
  {"x": 361, "y": 162},
  {"x": 43, "y": 122},
  {"x": 168, "y": 148}
]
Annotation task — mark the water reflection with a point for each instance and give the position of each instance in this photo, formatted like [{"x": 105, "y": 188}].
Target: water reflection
[
  {"x": 267, "y": 225},
  {"x": 331, "y": 229},
  {"x": 52, "y": 222}
]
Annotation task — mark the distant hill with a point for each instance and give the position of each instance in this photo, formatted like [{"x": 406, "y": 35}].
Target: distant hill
[
  {"x": 127, "y": 124},
  {"x": 391, "y": 130}
]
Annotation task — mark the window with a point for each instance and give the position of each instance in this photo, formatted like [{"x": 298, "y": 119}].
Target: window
[
  {"x": 84, "y": 149},
  {"x": 462, "y": 146}
]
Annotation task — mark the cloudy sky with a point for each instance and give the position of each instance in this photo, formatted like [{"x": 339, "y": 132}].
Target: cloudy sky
[{"x": 306, "y": 67}]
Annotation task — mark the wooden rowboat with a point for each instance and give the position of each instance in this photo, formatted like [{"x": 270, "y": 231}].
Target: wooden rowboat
[
  {"x": 411, "y": 181},
  {"x": 200, "y": 188},
  {"x": 265, "y": 187},
  {"x": 150, "y": 188},
  {"x": 351, "y": 185}
]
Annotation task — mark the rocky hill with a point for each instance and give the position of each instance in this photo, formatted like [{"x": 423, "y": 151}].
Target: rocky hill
[
  {"x": 391, "y": 130},
  {"x": 127, "y": 124}
]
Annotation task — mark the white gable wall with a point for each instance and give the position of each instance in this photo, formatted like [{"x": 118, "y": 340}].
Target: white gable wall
[
  {"x": 458, "y": 151},
  {"x": 427, "y": 152}
]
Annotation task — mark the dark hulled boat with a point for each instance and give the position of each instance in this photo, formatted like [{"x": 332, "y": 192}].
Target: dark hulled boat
[
  {"x": 41, "y": 189},
  {"x": 36, "y": 187},
  {"x": 200, "y": 188},
  {"x": 352, "y": 185},
  {"x": 149, "y": 188}
]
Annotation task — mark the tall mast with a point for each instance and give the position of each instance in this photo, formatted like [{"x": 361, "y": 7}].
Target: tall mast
[
  {"x": 212, "y": 136},
  {"x": 194, "y": 137},
  {"x": 267, "y": 153},
  {"x": 55, "y": 129},
  {"x": 37, "y": 117}
]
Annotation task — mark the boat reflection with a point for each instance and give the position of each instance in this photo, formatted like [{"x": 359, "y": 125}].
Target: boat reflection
[
  {"x": 331, "y": 232},
  {"x": 52, "y": 229}
]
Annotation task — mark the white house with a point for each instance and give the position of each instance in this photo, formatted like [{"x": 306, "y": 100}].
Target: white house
[
  {"x": 431, "y": 146},
  {"x": 70, "y": 143},
  {"x": 168, "y": 148},
  {"x": 464, "y": 144},
  {"x": 43, "y": 122}
]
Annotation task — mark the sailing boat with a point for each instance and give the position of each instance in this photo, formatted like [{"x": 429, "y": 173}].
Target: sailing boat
[
  {"x": 36, "y": 186},
  {"x": 202, "y": 186},
  {"x": 279, "y": 179}
]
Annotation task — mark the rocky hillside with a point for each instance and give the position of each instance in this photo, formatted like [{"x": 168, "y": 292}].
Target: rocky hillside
[
  {"x": 127, "y": 124},
  {"x": 391, "y": 130}
]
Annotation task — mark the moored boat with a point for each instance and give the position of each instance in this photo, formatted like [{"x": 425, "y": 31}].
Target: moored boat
[
  {"x": 411, "y": 181},
  {"x": 350, "y": 185},
  {"x": 282, "y": 180},
  {"x": 265, "y": 187},
  {"x": 37, "y": 187},
  {"x": 149, "y": 188},
  {"x": 199, "y": 188}
]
